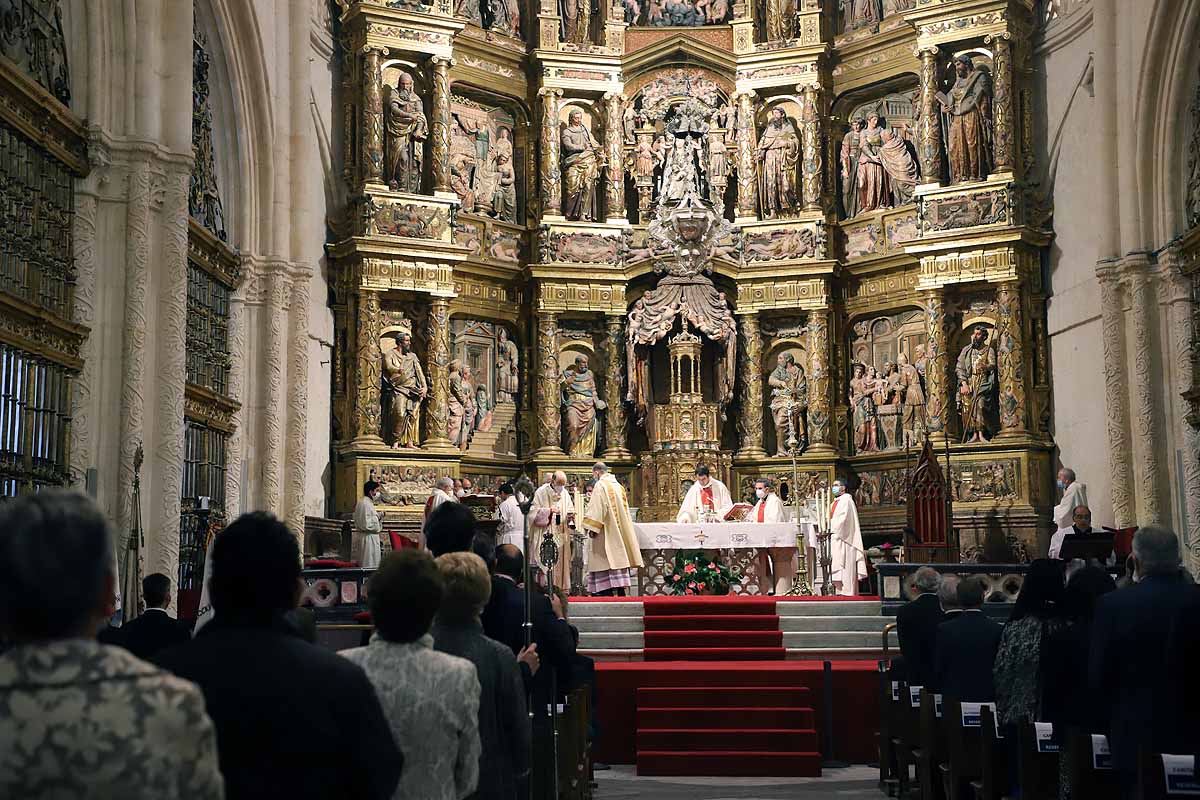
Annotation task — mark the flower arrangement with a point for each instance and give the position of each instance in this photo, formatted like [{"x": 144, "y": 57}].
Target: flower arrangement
[{"x": 695, "y": 573}]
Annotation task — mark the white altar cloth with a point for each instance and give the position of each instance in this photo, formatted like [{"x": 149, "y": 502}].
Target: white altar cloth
[{"x": 719, "y": 535}]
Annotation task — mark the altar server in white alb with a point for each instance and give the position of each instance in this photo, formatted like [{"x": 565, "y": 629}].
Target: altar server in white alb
[
  {"x": 554, "y": 511},
  {"x": 512, "y": 521},
  {"x": 368, "y": 527},
  {"x": 849, "y": 565},
  {"x": 777, "y": 565},
  {"x": 706, "y": 493},
  {"x": 443, "y": 492},
  {"x": 1074, "y": 496},
  {"x": 613, "y": 551}
]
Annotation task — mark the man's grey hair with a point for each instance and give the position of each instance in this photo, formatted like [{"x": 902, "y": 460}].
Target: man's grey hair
[
  {"x": 558, "y": 475},
  {"x": 768, "y": 483},
  {"x": 56, "y": 553},
  {"x": 1068, "y": 473},
  {"x": 445, "y": 483},
  {"x": 948, "y": 592},
  {"x": 1156, "y": 550},
  {"x": 926, "y": 579},
  {"x": 600, "y": 467}
]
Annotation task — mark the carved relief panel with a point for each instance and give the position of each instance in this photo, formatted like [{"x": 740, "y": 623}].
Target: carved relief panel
[{"x": 486, "y": 167}]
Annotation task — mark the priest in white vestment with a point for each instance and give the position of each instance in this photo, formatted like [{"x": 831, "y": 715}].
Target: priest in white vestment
[
  {"x": 554, "y": 511},
  {"x": 1074, "y": 496},
  {"x": 613, "y": 551},
  {"x": 512, "y": 521},
  {"x": 368, "y": 527},
  {"x": 777, "y": 565},
  {"x": 849, "y": 564},
  {"x": 443, "y": 492},
  {"x": 707, "y": 493}
]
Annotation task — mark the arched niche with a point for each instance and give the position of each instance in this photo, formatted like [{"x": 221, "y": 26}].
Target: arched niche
[
  {"x": 490, "y": 153},
  {"x": 886, "y": 398},
  {"x": 874, "y": 146}
]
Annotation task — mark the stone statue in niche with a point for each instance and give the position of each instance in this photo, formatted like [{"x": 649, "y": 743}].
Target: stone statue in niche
[
  {"x": 506, "y": 17},
  {"x": 718, "y": 159},
  {"x": 507, "y": 367},
  {"x": 470, "y": 10},
  {"x": 582, "y": 158},
  {"x": 913, "y": 400},
  {"x": 576, "y": 21},
  {"x": 482, "y": 169},
  {"x": 407, "y": 129},
  {"x": 779, "y": 158},
  {"x": 581, "y": 401},
  {"x": 849, "y": 163},
  {"x": 461, "y": 405},
  {"x": 862, "y": 410},
  {"x": 504, "y": 196},
  {"x": 404, "y": 391},
  {"x": 680, "y": 175},
  {"x": 861, "y": 13},
  {"x": 789, "y": 403},
  {"x": 781, "y": 20},
  {"x": 628, "y": 123},
  {"x": 897, "y": 6},
  {"x": 677, "y": 13},
  {"x": 645, "y": 159},
  {"x": 977, "y": 390},
  {"x": 886, "y": 172},
  {"x": 967, "y": 119}
]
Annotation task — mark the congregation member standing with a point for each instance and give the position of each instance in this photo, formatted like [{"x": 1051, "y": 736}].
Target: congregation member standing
[
  {"x": 965, "y": 646},
  {"x": 293, "y": 720},
  {"x": 450, "y": 529},
  {"x": 613, "y": 552},
  {"x": 155, "y": 629},
  {"x": 1017, "y": 672},
  {"x": 367, "y": 526},
  {"x": 79, "y": 718},
  {"x": 512, "y": 521},
  {"x": 777, "y": 565},
  {"x": 948, "y": 597},
  {"x": 916, "y": 626},
  {"x": 705, "y": 497},
  {"x": 849, "y": 563}
]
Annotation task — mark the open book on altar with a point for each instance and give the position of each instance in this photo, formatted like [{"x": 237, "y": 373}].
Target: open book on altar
[{"x": 738, "y": 512}]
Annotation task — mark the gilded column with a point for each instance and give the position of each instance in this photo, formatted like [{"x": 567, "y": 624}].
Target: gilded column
[
  {"x": 614, "y": 146},
  {"x": 372, "y": 117},
  {"x": 929, "y": 148},
  {"x": 1003, "y": 104},
  {"x": 437, "y": 365},
  {"x": 819, "y": 428},
  {"x": 747, "y": 164},
  {"x": 615, "y": 447},
  {"x": 1010, "y": 356},
  {"x": 367, "y": 411},
  {"x": 751, "y": 423},
  {"x": 441, "y": 125},
  {"x": 551, "y": 173},
  {"x": 546, "y": 406},
  {"x": 1116, "y": 393},
  {"x": 810, "y": 132},
  {"x": 1143, "y": 297},
  {"x": 939, "y": 388}
]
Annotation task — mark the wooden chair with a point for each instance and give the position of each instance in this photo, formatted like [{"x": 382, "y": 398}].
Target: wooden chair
[
  {"x": 992, "y": 783},
  {"x": 574, "y": 747},
  {"x": 1152, "y": 783},
  {"x": 1086, "y": 780},
  {"x": 906, "y": 739},
  {"x": 933, "y": 748},
  {"x": 962, "y": 751},
  {"x": 889, "y": 779},
  {"x": 1037, "y": 772}
]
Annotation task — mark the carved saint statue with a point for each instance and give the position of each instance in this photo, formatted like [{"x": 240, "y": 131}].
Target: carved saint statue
[
  {"x": 504, "y": 195},
  {"x": 861, "y": 13},
  {"x": 862, "y": 408},
  {"x": 789, "y": 403},
  {"x": 576, "y": 21},
  {"x": 874, "y": 188},
  {"x": 718, "y": 159},
  {"x": 404, "y": 389},
  {"x": 461, "y": 405},
  {"x": 470, "y": 10},
  {"x": 506, "y": 16},
  {"x": 680, "y": 176},
  {"x": 582, "y": 158},
  {"x": 781, "y": 20},
  {"x": 913, "y": 420},
  {"x": 976, "y": 371},
  {"x": 849, "y": 162},
  {"x": 967, "y": 109},
  {"x": 507, "y": 368},
  {"x": 407, "y": 129},
  {"x": 581, "y": 401},
  {"x": 779, "y": 156},
  {"x": 644, "y": 159}
]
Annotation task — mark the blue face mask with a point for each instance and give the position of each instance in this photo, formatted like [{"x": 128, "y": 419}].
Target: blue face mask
[
  {"x": 1061, "y": 484},
  {"x": 837, "y": 490}
]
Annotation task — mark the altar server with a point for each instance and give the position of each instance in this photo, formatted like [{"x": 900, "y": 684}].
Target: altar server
[
  {"x": 512, "y": 521},
  {"x": 706, "y": 493},
  {"x": 780, "y": 566},
  {"x": 367, "y": 526},
  {"x": 613, "y": 551},
  {"x": 443, "y": 492},
  {"x": 1074, "y": 496},
  {"x": 849, "y": 565},
  {"x": 554, "y": 511}
]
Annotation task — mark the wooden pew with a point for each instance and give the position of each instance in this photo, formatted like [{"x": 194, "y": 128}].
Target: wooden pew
[
  {"x": 574, "y": 747},
  {"x": 1152, "y": 784},
  {"x": 889, "y": 778},
  {"x": 906, "y": 738},
  {"x": 992, "y": 783},
  {"x": 1037, "y": 771},
  {"x": 933, "y": 748},
  {"x": 1086, "y": 780},
  {"x": 962, "y": 751}
]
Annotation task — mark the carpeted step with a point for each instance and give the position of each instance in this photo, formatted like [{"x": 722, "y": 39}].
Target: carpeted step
[
  {"x": 681, "y": 606},
  {"x": 707, "y": 639},
  {"x": 724, "y": 697},
  {"x": 766, "y": 740},
  {"x": 714, "y": 654},
  {"x": 724, "y": 718},
  {"x": 713, "y": 622},
  {"x": 751, "y": 764}
]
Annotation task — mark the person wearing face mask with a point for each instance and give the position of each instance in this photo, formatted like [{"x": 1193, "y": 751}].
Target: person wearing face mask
[
  {"x": 848, "y": 565},
  {"x": 706, "y": 494},
  {"x": 554, "y": 511},
  {"x": 368, "y": 526},
  {"x": 1081, "y": 525},
  {"x": 1074, "y": 495},
  {"x": 777, "y": 565}
]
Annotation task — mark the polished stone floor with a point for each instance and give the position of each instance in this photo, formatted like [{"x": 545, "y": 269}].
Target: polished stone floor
[{"x": 620, "y": 783}]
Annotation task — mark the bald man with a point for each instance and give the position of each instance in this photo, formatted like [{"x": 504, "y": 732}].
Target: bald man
[{"x": 554, "y": 511}]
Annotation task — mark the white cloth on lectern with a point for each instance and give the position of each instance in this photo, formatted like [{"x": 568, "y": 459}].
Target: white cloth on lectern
[
  {"x": 692, "y": 509},
  {"x": 512, "y": 524},
  {"x": 849, "y": 564},
  {"x": 368, "y": 527},
  {"x": 1073, "y": 496}
]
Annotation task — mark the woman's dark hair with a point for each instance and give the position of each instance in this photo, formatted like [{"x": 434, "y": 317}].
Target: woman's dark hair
[
  {"x": 1083, "y": 591},
  {"x": 404, "y": 595},
  {"x": 1041, "y": 591}
]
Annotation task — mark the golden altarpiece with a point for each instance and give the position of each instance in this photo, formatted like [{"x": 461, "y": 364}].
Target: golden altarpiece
[{"x": 871, "y": 269}]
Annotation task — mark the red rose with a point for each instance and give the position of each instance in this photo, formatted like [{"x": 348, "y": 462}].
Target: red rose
[
  {"x": 699, "y": 585},
  {"x": 677, "y": 577},
  {"x": 711, "y": 565},
  {"x": 688, "y": 591},
  {"x": 692, "y": 585},
  {"x": 689, "y": 569}
]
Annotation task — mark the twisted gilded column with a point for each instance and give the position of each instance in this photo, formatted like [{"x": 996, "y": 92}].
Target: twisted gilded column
[
  {"x": 813, "y": 165},
  {"x": 1149, "y": 469},
  {"x": 820, "y": 430},
  {"x": 751, "y": 423},
  {"x": 545, "y": 398},
  {"x": 747, "y": 164},
  {"x": 372, "y": 117},
  {"x": 614, "y": 146},
  {"x": 1003, "y": 104},
  {"x": 1010, "y": 357},
  {"x": 367, "y": 411},
  {"x": 441, "y": 124},
  {"x": 550, "y": 146},
  {"x": 437, "y": 367},
  {"x": 1112, "y": 308},
  {"x": 615, "y": 446},
  {"x": 929, "y": 146},
  {"x": 939, "y": 388}
]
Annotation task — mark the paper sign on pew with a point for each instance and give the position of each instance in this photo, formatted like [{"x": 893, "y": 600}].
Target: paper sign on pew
[
  {"x": 914, "y": 696},
  {"x": 1180, "y": 774},
  {"x": 972, "y": 714},
  {"x": 1043, "y": 733},
  {"x": 937, "y": 706},
  {"x": 1101, "y": 756},
  {"x": 896, "y": 691}
]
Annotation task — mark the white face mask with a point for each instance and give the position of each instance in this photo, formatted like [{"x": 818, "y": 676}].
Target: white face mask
[
  {"x": 837, "y": 490},
  {"x": 459, "y": 493},
  {"x": 761, "y": 493},
  {"x": 558, "y": 489}
]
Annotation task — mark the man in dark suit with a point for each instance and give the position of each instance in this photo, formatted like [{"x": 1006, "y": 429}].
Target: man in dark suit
[
  {"x": 292, "y": 719},
  {"x": 916, "y": 626},
  {"x": 1130, "y": 676},
  {"x": 966, "y": 648},
  {"x": 154, "y": 630}
]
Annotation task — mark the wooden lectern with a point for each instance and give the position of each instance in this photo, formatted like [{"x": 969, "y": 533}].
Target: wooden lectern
[{"x": 930, "y": 537}]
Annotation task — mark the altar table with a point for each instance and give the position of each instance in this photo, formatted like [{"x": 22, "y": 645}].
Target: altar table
[{"x": 720, "y": 535}]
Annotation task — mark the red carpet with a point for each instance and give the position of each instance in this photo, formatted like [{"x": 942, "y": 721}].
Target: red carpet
[{"x": 712, "y": 629}]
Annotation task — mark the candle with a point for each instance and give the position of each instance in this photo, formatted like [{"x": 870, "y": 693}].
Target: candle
[{"x": 204, "y": 504}]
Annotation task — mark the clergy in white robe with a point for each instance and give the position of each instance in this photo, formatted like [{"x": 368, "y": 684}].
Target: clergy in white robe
[
  {"x": 554, "y": 511},
  {"x": 777, "y": 565},
  {"x": 613, "y": 543},
  {"x": 849, "y": 564},
  {"x": 512, "y": 521},
  {"x": 367, "y": 527},
  {"x": 1074, "y": 495},
  {"x": 443, "y": 492},
  {"x": 706, "y": 493}
]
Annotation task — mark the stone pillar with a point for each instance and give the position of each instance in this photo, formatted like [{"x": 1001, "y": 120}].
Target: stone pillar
[
  {"x": 929, "y": 145},
  {"x": 437, "y": 369},
  {"x": 614, "y": 147},
  {"x": 1004, "y": 112},
  {"x": 441, "y": 125},
  {"x": 747, "y": 161},
  {"x": 615, "y": 447},
  {"x": 940, "y": 389},
  {"x": 820, "y": 428},
  {"x": 1010, "y": 358},
  {"x": 813, "y": 166},
  {"x": 751, "y": 423},
  {"x": 1148, "y": 466},
  {"x": 372, "y": 118},
  {"x": 1116, "y": 393},
  {"x": 368, "y": 415},
  {"x": 550, "y": 146},
  {"x": 546, "y": 394}
]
